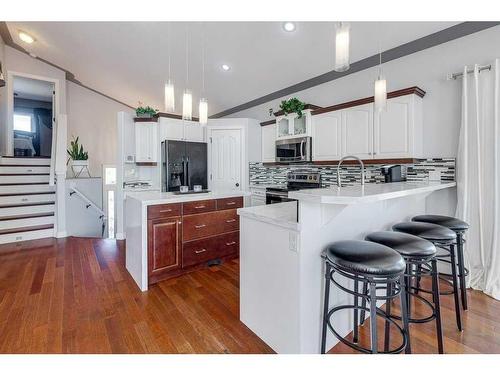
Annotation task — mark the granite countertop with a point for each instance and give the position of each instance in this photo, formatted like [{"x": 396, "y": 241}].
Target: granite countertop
[
  {"x": 280, "y": 214},
  {"x": 148, "y": 198},
  {"x": 368, "y": 192}
]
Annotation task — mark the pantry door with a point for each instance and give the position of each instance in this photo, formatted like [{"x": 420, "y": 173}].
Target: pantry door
[{"x": 225, "y": 155}]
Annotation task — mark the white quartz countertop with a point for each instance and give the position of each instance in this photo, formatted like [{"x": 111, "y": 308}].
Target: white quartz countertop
[
  {"x": 368, "y": 192},
  {"x": 148, "y": 198},
  {"x": 280, "y": 214}
]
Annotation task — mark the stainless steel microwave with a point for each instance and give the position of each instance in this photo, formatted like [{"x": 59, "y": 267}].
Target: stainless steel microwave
[{"x": 294, "y": 150}]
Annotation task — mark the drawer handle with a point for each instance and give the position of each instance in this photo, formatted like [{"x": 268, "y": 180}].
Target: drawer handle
[
  {"x": 167, "y": 210},
  {"x": 230, "y": 221},
  {"x": 200, "y": 226},
  {"x": 230, "y": 243},
  {"x": 230, "y": 203},
  {"x": 200, "y": 207},
  {"x": 200, "y": 251}
]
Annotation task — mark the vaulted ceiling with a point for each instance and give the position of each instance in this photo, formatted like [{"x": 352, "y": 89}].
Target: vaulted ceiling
[{"x": 129, "y": 60}]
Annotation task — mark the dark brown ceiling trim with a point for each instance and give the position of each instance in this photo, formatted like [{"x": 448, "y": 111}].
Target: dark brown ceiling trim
[
  {"x": 353, "y": 103},
  {"x": 146, "y": 119},
  {"x": 307, "y": 106},
  {"x": 432, "y": 40},
  {"x": 173, "y": 115}
]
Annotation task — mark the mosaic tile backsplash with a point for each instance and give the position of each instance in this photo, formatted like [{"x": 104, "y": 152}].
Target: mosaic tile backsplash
[{"x": 422, "y": 170}]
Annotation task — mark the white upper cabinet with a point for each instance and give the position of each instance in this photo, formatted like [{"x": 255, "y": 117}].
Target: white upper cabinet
[
  {"x": 146, "y": 142},
  {"x": 180, "y": 130},
  {"x": 398, "y": 129},
  {"x": 326, "y": 138},
  {"x": 269, "y": 143},
  {"x": 291, "y": 126},
  {"x": 357, "y": 131}
]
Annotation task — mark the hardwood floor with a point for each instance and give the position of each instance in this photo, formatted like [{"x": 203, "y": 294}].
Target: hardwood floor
[{"x": 74, "y": 296}]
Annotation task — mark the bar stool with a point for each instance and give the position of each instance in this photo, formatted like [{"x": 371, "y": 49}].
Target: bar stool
[
  {"x": 443, "y": 238},
  {"x": 379, "y": 267},
  {"x": 420, "y": 258},
  {"x": 459, "y": 227}
]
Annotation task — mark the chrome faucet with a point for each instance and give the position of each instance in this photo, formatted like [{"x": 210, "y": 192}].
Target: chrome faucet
[{"x": 362, "y": 169}]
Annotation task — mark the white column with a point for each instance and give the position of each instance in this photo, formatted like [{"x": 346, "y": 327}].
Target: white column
[{"x": 60, "y": 171}]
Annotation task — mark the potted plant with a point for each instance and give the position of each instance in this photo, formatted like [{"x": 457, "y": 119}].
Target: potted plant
[
  {"x": 145, "y": 112},
  {"x": 78, "y": 157},
  {"x": 293, "y": 105}
]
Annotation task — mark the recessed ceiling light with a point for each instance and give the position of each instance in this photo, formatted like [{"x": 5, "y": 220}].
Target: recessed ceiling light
[
  {"x": 225, "y": 67},
  {"x": 289, "y": 26},
  {"x": 25, "y": 37}
]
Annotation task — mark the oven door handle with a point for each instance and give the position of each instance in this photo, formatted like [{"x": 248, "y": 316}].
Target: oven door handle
[{"x": 302, "y": 143}]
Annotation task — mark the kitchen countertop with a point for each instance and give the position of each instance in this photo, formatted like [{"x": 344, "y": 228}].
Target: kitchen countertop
[
  {"x": 148, "y": 198},
  {"x": 368, "y": 192},
  {"x": 280, "y": 214}
]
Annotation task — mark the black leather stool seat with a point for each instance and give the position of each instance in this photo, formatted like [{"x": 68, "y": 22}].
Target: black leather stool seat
[
  {"x": 365, "y": 257},
  {"x": 404, "y": 243},
  {"x": 428, "y": 231},
  {"x": 446, "y": 221}
]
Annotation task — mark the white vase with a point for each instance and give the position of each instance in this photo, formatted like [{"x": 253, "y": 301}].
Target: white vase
[{"x": 78, "y": 166}]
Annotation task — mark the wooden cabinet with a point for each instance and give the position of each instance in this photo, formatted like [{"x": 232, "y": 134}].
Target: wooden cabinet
[
  {"x": 269, "y": 143},
  {"x": 164, "y": 246},
  {"x": 180, "y": 130},
  {"x": 327, "y": 136},
  {"x": 146, "y": 142},
  {"x": 357, "y": 131},
  {"x": 186, "y": 236}
]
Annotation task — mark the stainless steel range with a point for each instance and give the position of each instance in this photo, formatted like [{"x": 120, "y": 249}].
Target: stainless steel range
[{"x": 296, "y": 180}]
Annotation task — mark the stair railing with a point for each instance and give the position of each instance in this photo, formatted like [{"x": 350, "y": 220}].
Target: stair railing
[{"x": 90, "y": 204}]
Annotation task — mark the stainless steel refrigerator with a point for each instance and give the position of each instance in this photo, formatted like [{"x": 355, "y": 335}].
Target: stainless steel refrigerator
[{"x": 183, "y": 163}]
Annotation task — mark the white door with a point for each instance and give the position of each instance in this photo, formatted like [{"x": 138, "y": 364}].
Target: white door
[
  {"x": 269, "y": 143},
  {"x": 393, "y": 129},
  {"x": 327, "y": 136},
  {"x": 146, "y": 148},
  {"x": 194, "y": 132},
  {"x": 171, "y": 129},
  {"x": 357, "y": 131},
  {"x": 225, "y": 159}
]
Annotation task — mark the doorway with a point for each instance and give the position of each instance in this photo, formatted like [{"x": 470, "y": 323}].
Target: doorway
[{"x": 225, "y": 158}]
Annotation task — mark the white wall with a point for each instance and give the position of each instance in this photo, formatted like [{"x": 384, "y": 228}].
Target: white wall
[
  {"x": 92, "y": 117},
  {"x": 426, "y": 69},
  {"x": 3, "y": 100}
]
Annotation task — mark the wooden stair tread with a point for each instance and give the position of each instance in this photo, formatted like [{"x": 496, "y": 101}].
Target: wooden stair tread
[
  {"x": 24, "y": 174},
  {"x": 24, "y": 165},
  {"x": 17, "y": 194},
  {"x": 24, "y": 183},
  {"x": 26, "y": 216},
  {"x": 27, "y": 204},
  {"x": 26, "y": 229},
  {"x": 26, "y": 157}
]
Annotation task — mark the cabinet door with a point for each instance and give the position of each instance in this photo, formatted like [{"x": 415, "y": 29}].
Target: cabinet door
[
  {"x": 172, "y": 129},
  {"x": 327, "y": 136},
  {"x": 393, "y": 129},
  {"x": 164, "y": 245},
  {"x": 146, "y": 144},
  {"x": 269, "y": 143},
  {"x": 194, "y": 132},
  {"x": 357, "y": 131}
]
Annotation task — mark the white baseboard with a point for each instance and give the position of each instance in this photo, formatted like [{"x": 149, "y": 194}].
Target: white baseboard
[{"x": 61, "y": 234}]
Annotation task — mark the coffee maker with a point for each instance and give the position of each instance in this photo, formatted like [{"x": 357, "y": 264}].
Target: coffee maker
[{"x": 392, "y": 173}]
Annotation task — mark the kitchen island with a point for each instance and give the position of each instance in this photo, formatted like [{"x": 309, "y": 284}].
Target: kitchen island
[
  {"x": 281, "y": 270},
  {"x": 170, "y": 234}
]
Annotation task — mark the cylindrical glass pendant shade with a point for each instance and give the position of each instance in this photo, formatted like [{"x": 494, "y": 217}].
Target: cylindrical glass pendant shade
[
  {"x": 203, "y": 111},
  {"x": 169, "y": 97},
  {"x": 187, "y": 105},
  {"x": 380, "y": 94},
  {"x": 342, "y": 47}
]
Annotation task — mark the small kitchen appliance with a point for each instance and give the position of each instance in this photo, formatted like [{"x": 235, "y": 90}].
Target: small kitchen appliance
[{"x": 392, "y": 173}]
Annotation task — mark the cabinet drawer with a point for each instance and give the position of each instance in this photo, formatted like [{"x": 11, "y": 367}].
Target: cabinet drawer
[
  {"x": 198, "y": 207},
  {"x": 228, "y": 203},
  {"x": 199, "y": 251},
  {"x": 164, "y": 210},
  {"x": 209, "y": 224}
]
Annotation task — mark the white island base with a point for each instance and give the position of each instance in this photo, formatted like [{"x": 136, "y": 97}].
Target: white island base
[{"x": 281, "y": 270}]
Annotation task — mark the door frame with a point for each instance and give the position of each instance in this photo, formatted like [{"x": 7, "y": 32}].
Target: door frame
[
  {"x": 9, "y": 147},
  {"x": 243, "y": 166}
]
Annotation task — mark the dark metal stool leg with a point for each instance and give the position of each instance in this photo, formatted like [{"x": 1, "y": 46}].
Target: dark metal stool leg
[
  {"x": 363, "y": 304},
  {"x": 387, "y": 334},
  {"x": 355, "y": 328},
  {"x": 407, "y": 290},
  {"x": 404, "y": 314},
  {"x": 325, "y": 308},
  {"x": 461, "y": 269},
  {"x": 437, "y": 307},
  {"x": 373, "y": 317},
  {"x": 419, "y": 271},
  {"x": 453, "y": 264}
]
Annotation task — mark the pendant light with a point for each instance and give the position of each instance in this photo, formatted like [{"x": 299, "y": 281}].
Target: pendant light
[
  {"x": 187, "y": 97},
  {"x": 380, "y": 87},
  {"x": 203, "y": 108},
  {"x": 169, "y": 86},
  {"x": 342, "y": 47}
]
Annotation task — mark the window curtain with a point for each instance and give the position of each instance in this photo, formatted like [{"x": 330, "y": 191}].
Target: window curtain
[{"x": 478, "y": 177}]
